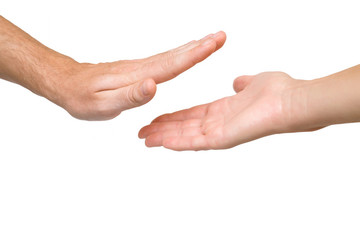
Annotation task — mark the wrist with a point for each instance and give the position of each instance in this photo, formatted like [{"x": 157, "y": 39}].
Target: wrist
[
  {"x": 303, "y": 106},
  {"x": 58, "y": 71}
]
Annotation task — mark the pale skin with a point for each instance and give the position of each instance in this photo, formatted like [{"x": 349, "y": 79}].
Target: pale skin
[
  {"x": 264, "y": 104},
  {"x": 93, "y": 91}
]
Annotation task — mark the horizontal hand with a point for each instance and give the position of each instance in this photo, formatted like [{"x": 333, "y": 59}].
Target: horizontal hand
[
  {"x": 93, "y": 91},
  {"x": 102, "y": 91}
]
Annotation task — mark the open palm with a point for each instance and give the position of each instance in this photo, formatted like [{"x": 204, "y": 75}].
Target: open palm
[{"x": 258, "y": 109}]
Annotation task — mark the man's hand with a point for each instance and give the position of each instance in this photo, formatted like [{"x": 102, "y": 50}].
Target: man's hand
[
  {"x": 263, "y": 105},
  {"x": 93, "y": 91},
  {"x": 102, "y": 91}
]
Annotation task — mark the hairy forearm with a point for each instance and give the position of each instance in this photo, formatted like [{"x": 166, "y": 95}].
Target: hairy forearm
[
  {"x": 94, "y": 91},
  {"x": 25, "y": 61},
  {"x": 333, "y": 99}
]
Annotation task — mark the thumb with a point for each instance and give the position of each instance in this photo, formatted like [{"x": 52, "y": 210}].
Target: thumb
[
  {"x": 137, "y": 94},
  {"x": 241, "y": 82}
]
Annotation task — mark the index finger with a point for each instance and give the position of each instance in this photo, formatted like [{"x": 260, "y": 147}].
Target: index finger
[{"x": 168, "y": 65}]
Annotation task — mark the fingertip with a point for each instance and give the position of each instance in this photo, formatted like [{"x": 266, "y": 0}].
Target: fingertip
[
  {"x": 153, "y": 140},
  {"x": 241, "y": 82},
  {"x": 147, "y": 143},
  {"x": 220, "y": 38},
  {"x": 148, "y": 88},
  {"x": 236, "y": 86},
  {"x": 220, "y": 35},
  {"x": 141, "y": 134},
  {"x": 212, "y": 43}
]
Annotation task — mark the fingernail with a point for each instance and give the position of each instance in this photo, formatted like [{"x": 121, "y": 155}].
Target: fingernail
[{"x": 207, "y": 42}]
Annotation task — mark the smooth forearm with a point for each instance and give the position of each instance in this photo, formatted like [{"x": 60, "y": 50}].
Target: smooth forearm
[
  {"x": 27, "y": 62},
  {"x": 334, "y": 99}
]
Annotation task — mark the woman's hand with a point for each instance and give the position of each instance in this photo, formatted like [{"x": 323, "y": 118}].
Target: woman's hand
[{"x": 265, "y": 104}]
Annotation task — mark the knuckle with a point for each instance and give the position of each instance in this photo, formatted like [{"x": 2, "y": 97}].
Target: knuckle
[
  {"x": 192, "y": 57},
  {"x": 168, "y": 63},
  {"x": 133, "y": 96}
]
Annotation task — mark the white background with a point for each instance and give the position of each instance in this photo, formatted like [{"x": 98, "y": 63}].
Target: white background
[{"x": 62, "y": 178}]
